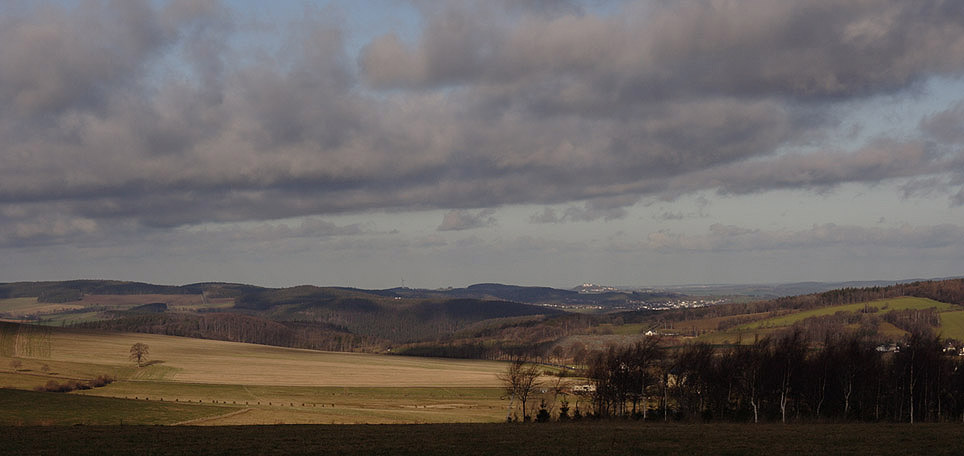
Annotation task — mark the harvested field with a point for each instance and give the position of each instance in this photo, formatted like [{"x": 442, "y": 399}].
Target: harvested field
[
  {"x": 279, "y": 385},
  {"x": 21, "y": 307},
  {"x": 208, "y": 361}
]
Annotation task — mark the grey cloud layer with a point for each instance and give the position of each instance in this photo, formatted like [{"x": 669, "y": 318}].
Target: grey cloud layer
[
  {"x": 465, "y": 220},
  {"x": 806, "y": 49},
  {"x": 132, "y": 114},
  {"x": 729, "y": 237}
]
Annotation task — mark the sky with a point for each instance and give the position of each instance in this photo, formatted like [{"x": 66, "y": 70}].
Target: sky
[{"x": 388, "y": 143}]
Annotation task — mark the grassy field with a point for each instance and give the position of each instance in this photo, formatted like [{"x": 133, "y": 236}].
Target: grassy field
[
  {"x": 884, "y": 305},
  {"x": 262, "y": 384},
  {"x": 952, "y": 324},
  {"x": 91, "y": 307},
  {"x": 712, "y": 323},
  {"x": 603, "y": 438},
  {"x": 705, "y": 329},
  {"x": 166, "y": 404},
  {"x": 748, "y": 332},
  {"x": 20, "y": 307},
  {"x": 180, "y": 302},
  {"x": 32, "y": 408},
  {"x": 324, "y": 405}
]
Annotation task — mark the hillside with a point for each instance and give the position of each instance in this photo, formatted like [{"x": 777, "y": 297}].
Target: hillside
[
  {"x": 303, "y": 317},
  {"x": 479, "y": 321},
  {"x": 219, "y": 382},
  {"x": 882, "y": 313},
  {"x": 572, "y": 299}
]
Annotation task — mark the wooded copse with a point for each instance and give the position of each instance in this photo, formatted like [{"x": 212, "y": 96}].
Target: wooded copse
[{"x": 847, "y": 377}]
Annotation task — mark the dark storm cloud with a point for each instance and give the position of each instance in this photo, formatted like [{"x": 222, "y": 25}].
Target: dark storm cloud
[{"x": 138, "y": 113}]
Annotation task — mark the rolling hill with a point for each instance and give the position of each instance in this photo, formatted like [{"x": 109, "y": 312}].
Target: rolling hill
[
  {"x": 304, "y": 317},
  {"x": 480, "y": 321},
  {"x": 208, "y": 382}
]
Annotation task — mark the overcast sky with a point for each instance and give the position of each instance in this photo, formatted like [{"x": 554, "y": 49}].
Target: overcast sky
[{"x": 445, "y": 143}]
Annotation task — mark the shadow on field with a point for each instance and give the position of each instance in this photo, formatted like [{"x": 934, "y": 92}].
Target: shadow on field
[{"x": 492, "y": 439}]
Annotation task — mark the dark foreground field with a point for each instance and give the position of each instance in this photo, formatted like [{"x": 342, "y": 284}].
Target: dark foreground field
[{"x": 490, "y": 439}]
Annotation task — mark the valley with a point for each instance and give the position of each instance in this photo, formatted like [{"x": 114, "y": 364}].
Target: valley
[{"x": 231, "y": 354}]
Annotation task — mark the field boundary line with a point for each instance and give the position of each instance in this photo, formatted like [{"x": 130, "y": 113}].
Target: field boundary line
[
  {"x": 212, "y": 418},
  {"x": 246, "y": 390}
]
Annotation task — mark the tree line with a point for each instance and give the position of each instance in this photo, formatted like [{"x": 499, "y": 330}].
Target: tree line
[
  {"x": 846, "y": 377},
  {"x": 237, "y": 327}
]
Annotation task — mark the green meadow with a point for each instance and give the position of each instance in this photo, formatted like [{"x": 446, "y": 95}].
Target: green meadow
[
  {"x": 883, "y": 306},
  {"x": 952, "y": 320}
]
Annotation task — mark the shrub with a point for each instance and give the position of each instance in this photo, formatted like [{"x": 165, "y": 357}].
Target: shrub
[
  {"x": 52, "y": 386},
  {"x": 101, "y": 380},
  {"x": 543, "y": 415},
  {"x": 564, "y": 410}
]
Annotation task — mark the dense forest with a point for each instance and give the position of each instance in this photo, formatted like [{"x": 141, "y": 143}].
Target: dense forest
[
  {"x": 236, "y": 327},
  {"x": 785, "y": 379},
  {"x": 343, "y": 324}
]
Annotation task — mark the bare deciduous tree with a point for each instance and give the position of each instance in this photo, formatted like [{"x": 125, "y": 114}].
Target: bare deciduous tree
[
  {"x": 16, "y": 364},
  {"x": 139, "y": 352},
  {"x": 520, "y": 379}
]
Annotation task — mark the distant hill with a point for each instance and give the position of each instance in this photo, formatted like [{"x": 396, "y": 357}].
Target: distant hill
[
  {"x": 542, "y": 295},
  {"x": 395, "y": 318},
  {"x": 485, "y": 320},
  {"x": 303, "y": 316},
  {"x": 72, "y": 290},
  {"x": 779, "y": 290}
]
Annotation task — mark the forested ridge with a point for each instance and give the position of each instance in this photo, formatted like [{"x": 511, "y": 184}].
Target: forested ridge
[
  {"x": 237, "y": 327},
  {"x": 950, "y": 291},
  {"x": 846, "y": 377},
  {"x": 344, "y": 319}
]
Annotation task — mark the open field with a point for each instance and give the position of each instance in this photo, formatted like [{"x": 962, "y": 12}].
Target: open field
[
  {"x": 712, "y": 323},
  {"x": 706, "y": 329},
  {"x": 178, "y": 302},
  {"x": 600, "y": 438},
  {"x": 884, "y": 305},
  {"x": 174, "y": 403},
  {"x": 33, "y": 408},
  {"x": 260, "y": 384},
  {"x": 90, "y": 307},
  {"x": 952, "y": 324},
  {"x": 189, "y": 360},
  {"x": 70, "y": 318},
  {"x": 761, "y": 328},
  {"x": 20, "y": 307}
]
